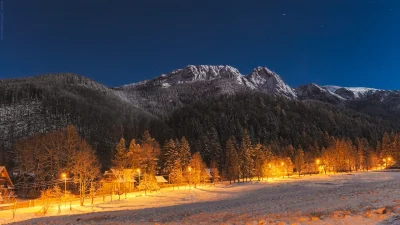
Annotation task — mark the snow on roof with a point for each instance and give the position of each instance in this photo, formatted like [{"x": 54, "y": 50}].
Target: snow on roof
[
  {"x": 161, "y": 179},
  {"x": 4, "y": 174}
]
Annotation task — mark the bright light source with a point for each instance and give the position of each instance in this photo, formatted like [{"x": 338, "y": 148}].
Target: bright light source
[
  {"x": 389, "y": 159},
  {"x": 138, "y": 170},
  {"x": 317, "y": 161},
  {"x": 64, "y": 175},
  {"x": 189, "y": 168}
]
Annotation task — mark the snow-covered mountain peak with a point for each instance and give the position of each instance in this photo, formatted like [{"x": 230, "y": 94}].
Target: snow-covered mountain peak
[
  {"x": 269, "y": 82},
  {"x": 208, "y": 72},
  {"x": 193, "y": 73},
  {"x": 261, "y": 78},
  {"x": 351, "y": 92},
  {"x": 316, "y": 92}
]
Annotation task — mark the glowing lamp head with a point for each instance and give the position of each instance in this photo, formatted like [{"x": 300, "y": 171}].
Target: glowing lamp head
[
  {"x": 64, "y": 175},
  {"x": 282, "y": 163},
  {"x": 390, "y": 159},
  {"x": 189, "y": 168},
  {"x": 317, "y": 161},
  {"x": 138, "y": 170}
]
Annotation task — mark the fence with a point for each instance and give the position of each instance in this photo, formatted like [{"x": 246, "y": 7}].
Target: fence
[{"x": 40, "y": 202}]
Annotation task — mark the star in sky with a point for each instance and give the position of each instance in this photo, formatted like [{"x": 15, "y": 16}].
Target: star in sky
[{"x": 284, "y": 14}]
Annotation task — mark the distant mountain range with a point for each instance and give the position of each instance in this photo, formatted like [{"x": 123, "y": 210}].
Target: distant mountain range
[
  {"x": 260, "y": 79},
  {"x": 34, "y": 105}
]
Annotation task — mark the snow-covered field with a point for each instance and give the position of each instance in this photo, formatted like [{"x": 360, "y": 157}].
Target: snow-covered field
[{"x": 323, "y": 199}]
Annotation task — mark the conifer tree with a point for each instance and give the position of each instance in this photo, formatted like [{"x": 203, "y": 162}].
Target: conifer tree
[
  {"x": 170, "y": 154},
  {"x": 149, "y": 151},
  {"x": 299, "y": 161},
  {"x": 176, "y": 172},
  {"x": 196, "y": 165},
  {"x": 245, "y": 156},
  {"x": 214, "y": 171},
  {"x": 232, "y": 160},
  {"x": 259, "y": 159},
  {"x": 134, "y": 155},
  {"x": 387, "y": 146},
  {"x": 184, "y": 152},
  {"x": 120, "y": 160}
]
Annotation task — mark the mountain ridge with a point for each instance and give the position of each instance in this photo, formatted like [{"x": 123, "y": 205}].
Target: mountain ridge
[{"x": 260, "y": 78}]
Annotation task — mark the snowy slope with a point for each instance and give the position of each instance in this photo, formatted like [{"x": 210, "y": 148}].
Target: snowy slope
[
  {"x": 191, "y": 74},
  {"x": 269, "y": 82},
  {"x": 351, "y": 92},
  {"x": 316, "y": 92}
]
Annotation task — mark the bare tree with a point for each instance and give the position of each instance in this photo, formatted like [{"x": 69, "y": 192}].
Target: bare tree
[{"x": 85, "y": 169}]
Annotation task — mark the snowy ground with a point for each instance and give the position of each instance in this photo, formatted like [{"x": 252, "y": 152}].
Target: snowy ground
[{"x": 323, "y": 199}]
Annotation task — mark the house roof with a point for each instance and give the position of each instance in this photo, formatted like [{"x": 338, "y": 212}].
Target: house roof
[
  {"x": 161, "y": 179},
  {"x": 4, "y": 175},
  {"x": 125, "y": 175}
]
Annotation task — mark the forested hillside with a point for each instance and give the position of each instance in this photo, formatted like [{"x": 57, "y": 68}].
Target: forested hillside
[
  {"x": 273, "y": 121},
  {"x": 206, "y": 112},
  {"x": 45, "y": 103}
]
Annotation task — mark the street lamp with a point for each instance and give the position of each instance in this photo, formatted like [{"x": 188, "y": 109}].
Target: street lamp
[
  {"x": 282, "y": 164},
  {"x": 190, "y": 175},
  {"x": 138, "y": 170},
  {"x": 64, "y": 175}
]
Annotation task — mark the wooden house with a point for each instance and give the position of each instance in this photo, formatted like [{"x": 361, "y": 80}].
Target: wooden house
[
  {"x": 6, "y": 185},
  {"x": 119, "y": 180}
]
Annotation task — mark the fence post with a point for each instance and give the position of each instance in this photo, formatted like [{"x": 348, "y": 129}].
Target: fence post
[{"x": 14, "y": 210}]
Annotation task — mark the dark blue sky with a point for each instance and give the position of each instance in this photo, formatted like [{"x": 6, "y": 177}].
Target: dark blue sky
[{"x": 342, "y": 42}]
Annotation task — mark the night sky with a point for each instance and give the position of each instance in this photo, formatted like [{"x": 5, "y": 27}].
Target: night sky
[{"x": 115, "y": 42}]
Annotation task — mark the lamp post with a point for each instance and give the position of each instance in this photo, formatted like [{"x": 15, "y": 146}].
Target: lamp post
[
  {"x": 138, "y": 170},
  {"x": 317, "y": 162},
  {"x": 65, "y": 182},
  {"x": 190, "y": 175},
  {"x": 282, "y": 164}
]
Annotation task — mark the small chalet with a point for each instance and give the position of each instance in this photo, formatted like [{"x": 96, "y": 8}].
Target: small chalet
[
  {"x": 6, "y": 185},
  {"x": 117, "y": 179},
  {"x": 161, "y": 180}
]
